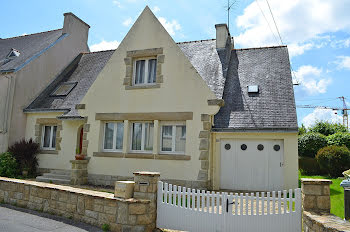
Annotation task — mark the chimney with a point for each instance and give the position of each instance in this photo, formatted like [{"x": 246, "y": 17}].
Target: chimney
[
  {"x": 74, "y": 25},
  {"x": 223, "y": 37}
]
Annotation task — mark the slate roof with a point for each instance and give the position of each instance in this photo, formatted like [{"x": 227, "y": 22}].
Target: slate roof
[
  {"x": 209, "y": 63},
  {"x": 29, "y": 46},
  {"x": 273, "y": 107},
  {"x": 83, "y": 70},
  {"x": 227, "y": 73}
]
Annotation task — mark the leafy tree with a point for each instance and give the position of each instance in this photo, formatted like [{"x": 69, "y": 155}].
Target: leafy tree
[
  {"x": 327, "y": 128},
  {"x": 339, "y": 139},
  {"x": 310, "y": 143},
  {"x": 302, "y": 130},
  {"x": 8, "y": 165}
]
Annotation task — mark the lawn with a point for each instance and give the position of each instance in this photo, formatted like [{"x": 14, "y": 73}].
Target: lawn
[{"x": 337, "y": 194}]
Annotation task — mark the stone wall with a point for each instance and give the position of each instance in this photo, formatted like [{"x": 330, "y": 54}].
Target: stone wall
[
  {"x": 92, "y": 207},
  {"x": 317, "y": 205}
]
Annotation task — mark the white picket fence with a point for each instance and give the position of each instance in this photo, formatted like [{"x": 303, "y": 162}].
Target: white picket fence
[{"x": 185, "y": 209}]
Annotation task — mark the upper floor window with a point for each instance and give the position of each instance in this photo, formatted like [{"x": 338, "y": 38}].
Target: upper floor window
[
  {"x": 173, "y": 138},
  {"x": 142, "y": 136},
  {"x": 48, "y": 138},
  {"x": 145, "y": 71},
  {"x": 113, "y": 136}
]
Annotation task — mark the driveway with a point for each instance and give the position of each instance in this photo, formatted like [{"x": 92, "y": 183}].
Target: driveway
[{"x": 13, "y": 219}]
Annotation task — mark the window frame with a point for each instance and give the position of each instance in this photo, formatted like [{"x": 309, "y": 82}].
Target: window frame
[
  {"x": 146, "y": 59},
  {"x": 143, "y": 128},
  {"x": 115, "y": 128},
  {"x": 173, "y": 137},
  {"x": 50, "y": 148}
]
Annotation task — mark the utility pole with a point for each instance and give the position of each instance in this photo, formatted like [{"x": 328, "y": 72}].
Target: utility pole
[
  {"x": 229, "y": 5},
  {"x": 345, "y": 113}
]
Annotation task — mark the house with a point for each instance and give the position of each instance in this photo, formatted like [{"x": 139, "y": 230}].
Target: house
[
  {"x": 28, "y": 64},
  {"x": 204, "y": 114}
]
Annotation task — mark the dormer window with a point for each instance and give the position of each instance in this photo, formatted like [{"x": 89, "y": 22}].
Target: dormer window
[
  {"x": 64, "y": 89},
  {"x": 13, "y": 54},
  {"x": 145, "y": 71}
]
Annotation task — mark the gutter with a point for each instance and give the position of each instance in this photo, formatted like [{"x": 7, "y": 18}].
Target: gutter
[
  {"x": 45, "y": 110},
  {"x": 35, "y": 56}
]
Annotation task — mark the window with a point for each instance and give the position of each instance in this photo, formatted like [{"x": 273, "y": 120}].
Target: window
[
  {"x": 113, "y": 136},
  {"x": 48, "y": 138},
  {"x": 64, "y": 89},
  {"x": 173, "y": 138},
  {"x": 142, "y": 136},
  {"x": 145, "y": 71},
  {"x": 253, "y": 89}
]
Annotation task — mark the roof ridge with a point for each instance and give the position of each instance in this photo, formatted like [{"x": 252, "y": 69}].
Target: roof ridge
[
  {"x": 195, "y": 41},
  {"x": 30, "y": 34},
  {"x": 278, "y": 46},
  {"x": 98, "y": 51}
]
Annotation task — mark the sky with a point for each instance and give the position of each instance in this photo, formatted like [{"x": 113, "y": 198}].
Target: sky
[{"x": 317, "y": 33}]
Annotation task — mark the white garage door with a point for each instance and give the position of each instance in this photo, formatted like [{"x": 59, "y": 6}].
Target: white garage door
[{"x": 252, "y": 165}]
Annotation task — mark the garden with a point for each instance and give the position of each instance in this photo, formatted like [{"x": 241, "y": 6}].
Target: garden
[{"x": 324, "y": 154}]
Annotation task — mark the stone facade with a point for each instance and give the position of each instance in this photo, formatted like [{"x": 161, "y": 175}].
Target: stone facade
[
  {"x": 204, "y": 146},
  {"x": 79, "y": 173},
  {"x": 317, "y": 205},
  {"x": 40, "y": 122},
  {"x": 86, "y": 129},
  {"x": 92, "y": 207}
]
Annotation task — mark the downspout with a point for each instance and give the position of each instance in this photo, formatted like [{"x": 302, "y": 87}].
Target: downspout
[{"x": 7, "y": 105}]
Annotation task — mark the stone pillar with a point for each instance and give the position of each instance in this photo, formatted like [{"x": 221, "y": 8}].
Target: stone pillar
[
  {"x": 316, "y": 195},
  {"x": 146, "y": 186},
  {"x": 79, "y": 174}
]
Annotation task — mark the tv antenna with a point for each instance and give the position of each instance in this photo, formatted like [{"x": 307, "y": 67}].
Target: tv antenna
[{"x": 229, "y": 6}]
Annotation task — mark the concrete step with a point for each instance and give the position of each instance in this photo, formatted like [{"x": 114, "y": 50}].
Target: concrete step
[
  {"x": 52, "y": 180},
  {"x": 56, "y": 176},
  {"x": 60, "y": 172}
]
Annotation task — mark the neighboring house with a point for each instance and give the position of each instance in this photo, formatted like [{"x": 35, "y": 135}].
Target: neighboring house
[
  {"x": 28, "y": 64},
  {"x": 202, "y": 113}
]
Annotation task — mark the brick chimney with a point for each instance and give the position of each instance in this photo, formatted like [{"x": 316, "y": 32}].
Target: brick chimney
[{"x": 223, "y": 37}]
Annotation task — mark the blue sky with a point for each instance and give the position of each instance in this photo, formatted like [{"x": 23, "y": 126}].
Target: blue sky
[{"x": 317, "y": 33}]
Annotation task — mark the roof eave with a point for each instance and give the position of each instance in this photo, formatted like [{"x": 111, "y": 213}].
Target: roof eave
[{"x": 252, "y": 130}]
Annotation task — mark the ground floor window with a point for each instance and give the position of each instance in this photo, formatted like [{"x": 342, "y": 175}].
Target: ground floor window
[
  {"x": 173, "y": 138},
  {"x": 113, "y": 136},
  {"x": 48, "y": 138},
  {"x": 142, "y": 136}
]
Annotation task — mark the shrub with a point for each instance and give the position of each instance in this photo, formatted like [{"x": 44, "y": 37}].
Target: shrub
[
  {"x": 327, "y": 128},
  {"x": 334, "y": 160},
  {"x": 8, "y": 165},
  {"x": 25, "y": 153},
  {"x": 309, "y": 166},
  {"x": 310, "y": 143},
  {"x": 106, "y": 227},
  {"x": 339, "y": 139}
]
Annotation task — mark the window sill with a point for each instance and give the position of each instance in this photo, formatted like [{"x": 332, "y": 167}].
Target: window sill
[
  {"x": 128, "y": 87},
  {"x": 142, "y": 156},
  {"x": 52, "y": 152}
]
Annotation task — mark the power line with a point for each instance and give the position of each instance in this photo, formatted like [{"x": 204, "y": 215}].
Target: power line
[
  {"x": 262, "y": 12},
  {"x": 274, "y": 21}
]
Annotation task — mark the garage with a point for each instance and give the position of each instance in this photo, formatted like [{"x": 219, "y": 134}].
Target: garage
[{"x": 251, "y": 164}]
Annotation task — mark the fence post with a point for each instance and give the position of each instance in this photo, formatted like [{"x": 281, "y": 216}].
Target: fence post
[
  {"x": 316, "y": 195},
  {"x": 146, "y": 186}
]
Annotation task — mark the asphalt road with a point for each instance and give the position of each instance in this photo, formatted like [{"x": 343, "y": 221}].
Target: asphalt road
[{"x": 13, "y": 219}]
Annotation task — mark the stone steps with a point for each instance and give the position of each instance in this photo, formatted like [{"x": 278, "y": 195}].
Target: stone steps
[
  {"x": 52, "y": 180},
  {"x": 55, "y": 177}
]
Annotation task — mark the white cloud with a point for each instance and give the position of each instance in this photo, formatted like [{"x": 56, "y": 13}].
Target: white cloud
[
  {"x": 343, "y": 62},
  {"x": 296, "y": 49},
  {"x": 24, "y": 34},
  {"x": 311, "y": 79},
  {"x": 299, "y": 22},
  {"x": 117, "y": 3},
  {"x": 343, "y": 43},
  {"x": 321, "y": 115},
  {"x": 127, "y": 22},
  {"x": 171, "y": 26},
  {"x": 155, "y": 9},
  {"x": 104, "y": 45}
]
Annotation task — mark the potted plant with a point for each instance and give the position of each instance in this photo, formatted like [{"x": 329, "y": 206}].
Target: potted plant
[{"x": 78, "y": 155}]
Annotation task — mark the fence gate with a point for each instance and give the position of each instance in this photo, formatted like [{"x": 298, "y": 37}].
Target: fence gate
[{"x": 185, "y": 209}]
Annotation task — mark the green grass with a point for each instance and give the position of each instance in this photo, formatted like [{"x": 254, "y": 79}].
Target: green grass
[{"x": 337, "y": 194}]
